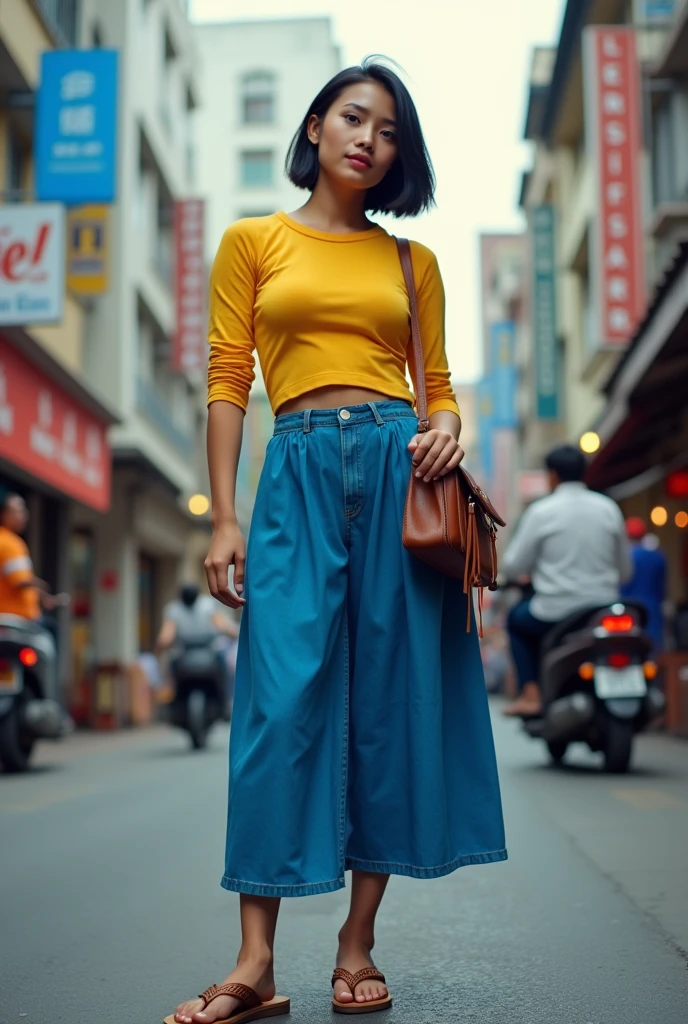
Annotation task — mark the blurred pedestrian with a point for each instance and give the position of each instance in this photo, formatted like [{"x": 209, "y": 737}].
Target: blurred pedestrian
[
  {"x": 361, "y": 736},
  {"x": 572, "y": 545},
  {"x": 22, "y": 593},
  {"x": 648, "y": 583}
]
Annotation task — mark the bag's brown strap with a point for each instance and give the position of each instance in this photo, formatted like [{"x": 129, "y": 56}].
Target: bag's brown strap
[{"x": 418, "y": 357}]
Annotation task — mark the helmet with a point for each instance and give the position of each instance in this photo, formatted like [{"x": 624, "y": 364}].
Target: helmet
[{"x": 188, "y": 593}]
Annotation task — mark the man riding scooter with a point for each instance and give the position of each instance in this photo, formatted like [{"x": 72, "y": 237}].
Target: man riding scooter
[
  {"x": 29, "y": 704},
  {"x": 194, "y": 619},
  {"x": 572, "y": 546}
]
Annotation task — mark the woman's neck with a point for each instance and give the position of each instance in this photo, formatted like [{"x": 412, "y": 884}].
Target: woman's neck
[{"x": 334, "y": 210}]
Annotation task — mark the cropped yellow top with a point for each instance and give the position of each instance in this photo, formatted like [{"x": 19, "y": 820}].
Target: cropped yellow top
[{"x": 320, "y": 309}]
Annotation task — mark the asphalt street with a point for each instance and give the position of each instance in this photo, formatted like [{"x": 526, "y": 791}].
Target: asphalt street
[{"x": 111, "y": 854}]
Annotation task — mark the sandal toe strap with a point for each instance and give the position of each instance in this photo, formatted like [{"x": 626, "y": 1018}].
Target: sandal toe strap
[
  {"x": 352, "y": 980},
  {"x": 248, "y": 997}
]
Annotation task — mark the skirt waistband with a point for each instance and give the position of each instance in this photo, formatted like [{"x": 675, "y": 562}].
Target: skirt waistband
[{"x": 344, "y": 416}]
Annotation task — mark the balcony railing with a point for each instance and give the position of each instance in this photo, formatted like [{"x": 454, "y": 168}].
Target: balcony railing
[
  {"x": 61, "y": 18},
  {"x": 153, "y": 405}
]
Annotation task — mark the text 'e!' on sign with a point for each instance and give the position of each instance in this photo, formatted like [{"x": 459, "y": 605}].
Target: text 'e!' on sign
[{"x": 32, "y": 265}]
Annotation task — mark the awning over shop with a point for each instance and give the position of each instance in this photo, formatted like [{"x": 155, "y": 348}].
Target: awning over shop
[
  {"x": 644, "y": 428},
  {"x": 51, "y": 427}
]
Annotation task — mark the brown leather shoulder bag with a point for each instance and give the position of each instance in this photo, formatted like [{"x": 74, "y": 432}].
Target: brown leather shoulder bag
[{"x": 449, "y": 523}]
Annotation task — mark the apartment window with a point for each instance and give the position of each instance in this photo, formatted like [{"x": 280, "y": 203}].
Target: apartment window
[
  {"x": 62, "y": 17},
  {"x": 257, "y": 168},
  {"x": 258, "y": 97},
  {"x": 663, "y": 153},
  {"x": 16, "y": 166}
]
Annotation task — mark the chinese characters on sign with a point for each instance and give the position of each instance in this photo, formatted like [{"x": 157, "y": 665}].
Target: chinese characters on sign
[
  {"x": 190, "y": 343},
  {"x": 545, "y": 313},
  {"x": 47, "y": 433},
  {"x": 31, "y": 263},
  {"x": 613, "y": 127},
  {"x": 76, "y": 130}
]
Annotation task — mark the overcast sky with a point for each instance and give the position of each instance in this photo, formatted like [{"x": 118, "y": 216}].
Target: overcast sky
[{"x": 467, "y": 63}]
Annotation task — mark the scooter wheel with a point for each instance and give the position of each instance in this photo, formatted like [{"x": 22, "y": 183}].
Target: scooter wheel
[
  {"x": 618, "y": 745},
  {"x": 557, "y": 750},
  {"x": 16, "y": 745},
  {"x": 195, "y": 714}
]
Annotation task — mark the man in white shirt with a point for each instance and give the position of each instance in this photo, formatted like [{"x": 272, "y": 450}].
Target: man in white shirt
[{"x": 572, "y": 546}]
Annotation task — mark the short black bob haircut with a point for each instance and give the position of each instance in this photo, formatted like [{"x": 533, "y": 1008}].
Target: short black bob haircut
[
  {"x": 568, "y": 462},
  {"x": 408, "y": 188}
]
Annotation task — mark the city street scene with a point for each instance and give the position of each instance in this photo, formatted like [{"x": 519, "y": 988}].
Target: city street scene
[{"x": 344, "y": 587}]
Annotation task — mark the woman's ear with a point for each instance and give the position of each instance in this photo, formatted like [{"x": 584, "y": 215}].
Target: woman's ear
[{"x": 313, "y": 129}]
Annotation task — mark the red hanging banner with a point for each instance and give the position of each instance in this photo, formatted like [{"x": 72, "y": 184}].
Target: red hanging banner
[
  {"x": 613, "y": 135},
  {"x": 189, "y": 351}
]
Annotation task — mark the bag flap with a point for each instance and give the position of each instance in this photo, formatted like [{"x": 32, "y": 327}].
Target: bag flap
[{"x": 480, "y": 497}]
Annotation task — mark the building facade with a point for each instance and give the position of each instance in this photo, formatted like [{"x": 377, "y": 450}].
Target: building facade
[
  {"x": 258, "y": 78},
  {"x": 113, "y": 413},
  {"x": 54, "y": 419},
  {"x": 606, "y": 200},
  {"x": 147, "y": 541}
]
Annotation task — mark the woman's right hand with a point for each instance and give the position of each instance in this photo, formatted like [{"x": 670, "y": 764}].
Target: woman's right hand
[{"x": 226, "y": 548}]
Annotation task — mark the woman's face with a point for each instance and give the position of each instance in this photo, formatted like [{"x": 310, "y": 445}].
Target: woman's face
[{"x": 357, "y": 138}]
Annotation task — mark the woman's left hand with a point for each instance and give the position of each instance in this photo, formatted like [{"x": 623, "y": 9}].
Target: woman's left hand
[{"x": 435, "y": 453}]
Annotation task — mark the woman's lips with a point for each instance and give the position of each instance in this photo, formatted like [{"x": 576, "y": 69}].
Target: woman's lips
[{"x": 359, "y": 163}]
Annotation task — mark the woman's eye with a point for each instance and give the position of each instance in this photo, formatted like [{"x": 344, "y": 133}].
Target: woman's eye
[
  {"x": 390, "y": 136},
  {"x": 351, "y": 118}
]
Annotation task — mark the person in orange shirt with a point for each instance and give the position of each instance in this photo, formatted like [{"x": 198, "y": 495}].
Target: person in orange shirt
[{"x": 21, "y": 592}]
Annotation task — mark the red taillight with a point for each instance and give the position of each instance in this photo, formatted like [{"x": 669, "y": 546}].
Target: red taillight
[
  {"x": 619, "y": 660},
  {"x": 618, "y": 623},
  {"x": 28, "y": 657}
]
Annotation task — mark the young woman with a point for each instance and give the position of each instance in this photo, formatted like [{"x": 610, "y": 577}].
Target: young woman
[{"x": 361, "y": 738}]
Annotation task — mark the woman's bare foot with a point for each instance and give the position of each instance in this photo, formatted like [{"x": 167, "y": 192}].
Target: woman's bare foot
[
  {"x": 255, "y": 971},
  {"x": 354, "y": 954}
]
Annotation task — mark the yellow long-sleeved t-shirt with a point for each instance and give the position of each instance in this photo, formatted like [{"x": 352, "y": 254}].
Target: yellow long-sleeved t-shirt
[{"x": 320, "y": 309}]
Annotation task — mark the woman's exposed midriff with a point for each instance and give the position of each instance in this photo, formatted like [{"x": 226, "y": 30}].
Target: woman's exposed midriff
[{"x": 331, "y": 397}]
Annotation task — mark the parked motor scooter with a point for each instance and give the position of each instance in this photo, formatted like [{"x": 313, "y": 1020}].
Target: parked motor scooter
[
  {"x": 598, "y": 684},
  {"x": 200, "y": 697},
  {"x": 29, "y": 709}
]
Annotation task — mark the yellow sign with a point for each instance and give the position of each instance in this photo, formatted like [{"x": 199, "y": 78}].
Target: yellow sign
[{"x": 88, "y": 245}]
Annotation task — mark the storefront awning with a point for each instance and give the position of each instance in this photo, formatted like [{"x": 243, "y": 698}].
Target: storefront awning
[
  {"x": 51, "y": 426},
  {"x": 643, "y": 426}
]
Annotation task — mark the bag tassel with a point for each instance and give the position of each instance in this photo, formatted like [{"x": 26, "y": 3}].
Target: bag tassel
[{"x": 471, "y": 576}]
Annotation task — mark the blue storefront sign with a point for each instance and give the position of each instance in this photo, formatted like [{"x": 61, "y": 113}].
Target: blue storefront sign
[
  {"x": 503, "y": 353},
  {"x": 655, "y": 10},
  {"x": 545, "y": 314},
  {"x": 76, "y": 130},
  {"x": 485, "y": 428}
]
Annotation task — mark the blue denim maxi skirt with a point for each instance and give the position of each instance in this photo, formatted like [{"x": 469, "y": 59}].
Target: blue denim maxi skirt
[{"x": 361, "y": 737}]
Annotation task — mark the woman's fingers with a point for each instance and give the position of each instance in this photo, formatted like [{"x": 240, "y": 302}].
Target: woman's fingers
[
  {"x": 239, "y": 568},
  {"x": 428, "y": 451},
  {"x": 454, "y": 461}
]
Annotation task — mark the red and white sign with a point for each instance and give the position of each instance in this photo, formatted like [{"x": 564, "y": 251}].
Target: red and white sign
[
  {"x": 189, "y": 351},
  {"x": 32, "y": 263},
  {"x": 612, "y": 83},
  {"x": 45, "y": 431}
]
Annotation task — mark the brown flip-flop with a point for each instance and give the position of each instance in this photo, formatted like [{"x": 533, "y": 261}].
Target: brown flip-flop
[
  {"x": 352, "y": 980},
  {"x": 254, "y": 1008}
]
